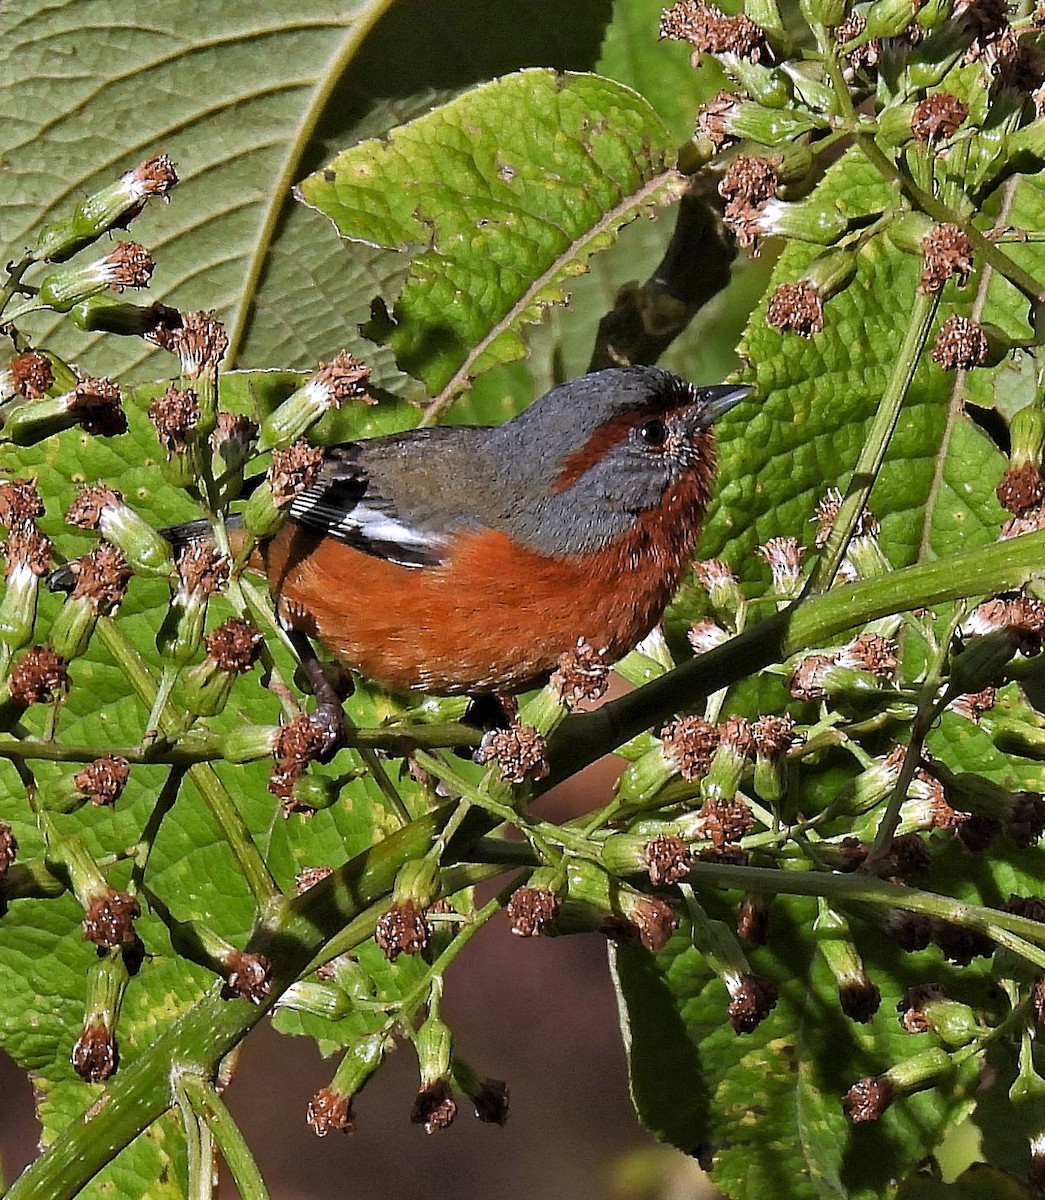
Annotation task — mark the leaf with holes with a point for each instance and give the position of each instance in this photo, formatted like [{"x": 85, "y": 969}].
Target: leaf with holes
[{"x": 500, "y": 197}]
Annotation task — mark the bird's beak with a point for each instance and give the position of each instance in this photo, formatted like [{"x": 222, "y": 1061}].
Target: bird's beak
[{"x": 719, "y": 399}]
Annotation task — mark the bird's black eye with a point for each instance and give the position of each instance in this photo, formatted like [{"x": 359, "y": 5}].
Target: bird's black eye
[{"x": 653, "y": 432}]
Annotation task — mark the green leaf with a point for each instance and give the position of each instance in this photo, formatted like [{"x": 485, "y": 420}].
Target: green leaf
[
  {"x": 935, "y": 492},
  {"x": 767, "y": 1106},
  {"x": 500, "y": 197},
  {"x": 246, "y": 99}
]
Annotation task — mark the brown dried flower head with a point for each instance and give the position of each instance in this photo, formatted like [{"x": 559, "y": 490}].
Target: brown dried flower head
[
  {"x": 689, "y": 743},
  {"x": 709, "y": 30},
  {"x": 109, "y": 920},
  {"x": 987, "y": 19},
  {"x": 300, "y": 741},
  {"x": 724, "y": 821},
  {"x": 752, "y": 999},
  {"x": 520, "y": 751},
  {"x": 20, "y": 502},
  {"x": 783, "y": 555},
  {"x": 95, "y": 1055},
  {"x": 706, "y": 635},
  {"x": 8, "y": 847},
  {"x": 434, "y": 1107},
  {"x": 796, "y": 308},
  {"x": 774, "y": 735},
  {"x": 805, "y": 680},
  {"x": 753, "y": 919},
  {"x": 103, "y": 780},
  {"x": 668, "y": 859},
  {"x": 127, "y": 265},
  {"x": 946, "y": 254},
  {"x": 330, "y": 1111},
  {"x": 308, "y": 877},
  {"x": 734, "y": 734},
  {"x": 1022, "y": 488},
  {"x": 199, "y": 342},
  {"x": 490, "y": 1099},
  {"x": 234, "y": 646},
  {"x": 85, "y": 512},
  {"x": 826, "y": 513},
  {"x": 39, "y": 677},
  {"x": 403, "y": 929},
  {"x": 202, "y": 569},
  {"x": 175, "y": 415},
  {"x": 871, "y": 652},
  {"x": 937, "y": 117},
  {"x": 961, "y": 344},
  {"x": 97, "y": 407},
  {"x": 911, "y": 1006},
  {"x": 27, "y": 549},
  {"x": 713, "y": 118},
  {"x": 531, "y": 909},
  {"x": 343, "y": 378},
  {"x": 32, "y": 374},
  {"x": 581, "y": 675},
  {"x": 292, "y": 470},
  {"x": 651, "y": 918},
  {"x": 868, "y": 1099},
  {"x": 749, "y": 180},
  {"x": 248, "y": 976},
  {"x": 102, "y": 577},
  {"x": 154, "y": 177}
]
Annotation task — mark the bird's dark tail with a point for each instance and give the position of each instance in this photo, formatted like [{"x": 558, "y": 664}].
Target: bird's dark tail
[
  {"x": 63, "y": 578},
  {"x": 188, "y": 533}
]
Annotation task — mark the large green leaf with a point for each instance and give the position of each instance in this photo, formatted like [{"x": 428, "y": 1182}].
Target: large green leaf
[
  {"x": 246, "y": 98},
  {"x": 499, "y": 197}
]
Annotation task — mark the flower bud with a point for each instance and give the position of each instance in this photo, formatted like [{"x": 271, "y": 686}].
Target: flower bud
[
  {"x": 126, "y": 265},
  {"x": 93, "y": 404},
  {"x": 102, "y": 508},
  {"x": 231, "y": 445},
  {"x": 105, "y": 314},
  {"x": 28, "y": 555},
  {"x": 100, "y": 585},
  {"x": 868, "y": 1099},
  {"x": 331, "y": 1108},
  {"x": 768, "y": 87},
  {"x": 829, "y": 13},
  {"x": 889, "y": 18},
  {"x": 316, "y": 1000},
  {"x": 232, "y": 649},
  {"x": 343, "y": 378},
  {"x": 95, "y": 1055},
  {"x": 115, "y": 205},
  {"x": 434, "y": 1106},
  {"x": 857, "y": 994},
  {"x": 202, "y": 572},
  {"x": 291, "y": 472}
]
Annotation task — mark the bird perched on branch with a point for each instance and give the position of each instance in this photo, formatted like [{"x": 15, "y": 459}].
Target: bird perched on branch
[{"x": 467, "y": 559}]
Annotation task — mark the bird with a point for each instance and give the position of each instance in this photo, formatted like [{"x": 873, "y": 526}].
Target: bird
[{"x": 467, "y": 559}]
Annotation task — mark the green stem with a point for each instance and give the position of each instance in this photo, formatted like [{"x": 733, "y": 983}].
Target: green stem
[
  {"x": 872, "y": 454},
  {"x": 1019, "y": 934},
  {"x": 209, "y": 1107},
  {"x": 14, "y": 279},
  {"x": 215, "y": 796},
  {"x": 347, "y": 903},
  {"x": 199, "y": 1145}
]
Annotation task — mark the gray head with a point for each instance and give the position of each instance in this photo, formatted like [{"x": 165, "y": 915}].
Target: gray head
[{"x": 594, "y": 453}]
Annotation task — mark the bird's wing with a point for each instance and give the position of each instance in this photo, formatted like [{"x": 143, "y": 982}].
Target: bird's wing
[{"x": 351, "y": 500}]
